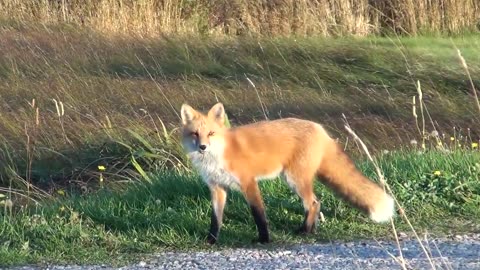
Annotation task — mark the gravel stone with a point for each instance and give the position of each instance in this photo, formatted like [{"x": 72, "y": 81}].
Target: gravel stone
[{"x": 455, "y": 252}]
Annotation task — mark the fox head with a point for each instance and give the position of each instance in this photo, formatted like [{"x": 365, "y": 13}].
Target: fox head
[{"x": 202, "y": 132}]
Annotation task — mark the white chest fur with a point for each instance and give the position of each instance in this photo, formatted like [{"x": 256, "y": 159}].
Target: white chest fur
[{"x": 211, "y": 168}]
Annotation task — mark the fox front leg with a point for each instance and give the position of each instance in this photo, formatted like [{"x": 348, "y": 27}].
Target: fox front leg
[
  {"x": 252, "y": 195},
  {"x": 219, "y": 196}
]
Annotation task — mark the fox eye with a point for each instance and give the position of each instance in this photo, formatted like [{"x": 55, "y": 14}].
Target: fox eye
[
  {"x": 211, "y": 133},
  {"x": 194, "y": 134}
]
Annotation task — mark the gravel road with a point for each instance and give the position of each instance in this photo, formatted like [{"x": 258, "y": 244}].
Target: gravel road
[{"x": 459, "y": 252}]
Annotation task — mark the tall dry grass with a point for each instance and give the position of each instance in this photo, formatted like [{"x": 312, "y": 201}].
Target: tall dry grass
[{"x": 279, "y": 17}]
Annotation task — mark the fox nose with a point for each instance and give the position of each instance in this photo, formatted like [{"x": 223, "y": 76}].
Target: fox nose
[{"x": 202, "y": 147}]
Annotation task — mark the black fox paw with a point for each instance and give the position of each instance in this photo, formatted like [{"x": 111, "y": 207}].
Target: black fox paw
[
  {"x": 211, "y": 239},
  {"x": 261, "y": 240},
  {"x": 304, "y": 231}
]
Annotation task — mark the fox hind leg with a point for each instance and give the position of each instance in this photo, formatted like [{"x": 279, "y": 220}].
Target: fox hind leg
[{"x": 302, "y": 184}]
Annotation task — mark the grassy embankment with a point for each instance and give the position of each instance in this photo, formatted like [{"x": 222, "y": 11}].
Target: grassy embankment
[{"x": 74, "y": 99}]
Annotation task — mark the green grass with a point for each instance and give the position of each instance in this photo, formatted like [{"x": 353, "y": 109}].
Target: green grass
[
  {"x": 120, "y": 99},
  {"x": 173, "y": 213}
]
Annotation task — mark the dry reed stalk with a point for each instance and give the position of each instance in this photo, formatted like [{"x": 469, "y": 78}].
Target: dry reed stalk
[
  {"x": 283, "y": 17},
  {"x": 465, "y": 67},
  {"x": 387, "y": 187}
]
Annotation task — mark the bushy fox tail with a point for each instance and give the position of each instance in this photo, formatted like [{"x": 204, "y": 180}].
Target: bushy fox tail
[{"x": 338, "y": 172}]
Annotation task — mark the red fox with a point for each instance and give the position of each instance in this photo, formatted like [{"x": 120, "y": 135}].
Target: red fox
[{"x": 297, "y": 149}]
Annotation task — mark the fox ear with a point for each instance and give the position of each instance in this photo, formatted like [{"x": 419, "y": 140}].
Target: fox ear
[
  {"x": 188, "y": 113},
  {"x": 217, "y": 113}
]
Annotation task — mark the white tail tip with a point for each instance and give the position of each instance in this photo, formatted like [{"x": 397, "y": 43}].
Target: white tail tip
[{"x": 383, "y": 210}]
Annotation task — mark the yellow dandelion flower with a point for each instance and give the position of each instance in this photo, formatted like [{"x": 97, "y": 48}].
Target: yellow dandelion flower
[
  {"x": 61, "y": 192},
  {"x": 474, "y": 145},
  {"x": 101, "y": 168},
  {"x": 452, "y": 139},
  {"x": 437, "y": 173}
]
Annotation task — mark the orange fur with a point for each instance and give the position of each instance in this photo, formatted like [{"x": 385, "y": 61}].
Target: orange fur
[{"x": 298, "y": 149}]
